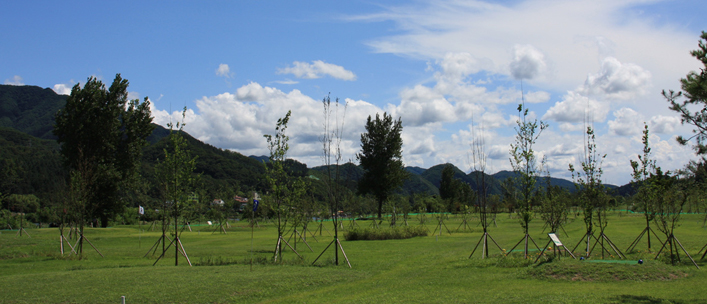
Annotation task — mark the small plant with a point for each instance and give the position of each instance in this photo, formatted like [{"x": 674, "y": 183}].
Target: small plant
[{"x": 398, "y": 232}]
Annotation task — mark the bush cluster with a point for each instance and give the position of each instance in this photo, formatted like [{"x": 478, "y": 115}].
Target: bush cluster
[{"x": 370, "y": 234}]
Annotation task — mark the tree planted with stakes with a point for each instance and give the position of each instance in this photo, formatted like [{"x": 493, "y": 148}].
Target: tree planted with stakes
[{"x": 525, "y": 166}]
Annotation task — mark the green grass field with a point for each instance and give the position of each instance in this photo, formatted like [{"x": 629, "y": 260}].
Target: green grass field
[{"x": 421, "y": 269}]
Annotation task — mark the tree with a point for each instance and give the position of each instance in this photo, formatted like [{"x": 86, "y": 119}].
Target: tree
[
  {"x": 102, "y": 129},
  {"x": 331, "y": 155},
  {"x": 694, "y": 89},
  {"x": 284, "y": 189},
  {"x": 592, "y": 194},
  {"x": 177, "y": 179},
  {"x": 446, "y": 186},
  {"x": 381, "y": 158},
  {"x": 524, "y": 163},
  {"x": 642, "y": 169},
  {"x": 671, "y": 196},
  {"x": 553, "y": 205}
]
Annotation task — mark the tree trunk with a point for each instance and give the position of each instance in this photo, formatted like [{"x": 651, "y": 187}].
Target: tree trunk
[
  {"x": 380, "y": 211},
  {"x": 104, "y": 220}
]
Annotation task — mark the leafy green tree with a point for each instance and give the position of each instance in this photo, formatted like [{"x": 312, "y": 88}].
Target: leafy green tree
[
  {"x": 524, "y": 163},
  {"x": 101, "y": 128},
  {"x": 177, "y": 179},
  {"x": 285, "y": 191},
  {"x": 642, "y": 169},
  {"x": 592, "y": 194},
  {"x": 694, "y": 89},
  {"x": 671, "y": 196},
  {"x": 381, "y": 157},
  {"x": 553, "y": 205}
]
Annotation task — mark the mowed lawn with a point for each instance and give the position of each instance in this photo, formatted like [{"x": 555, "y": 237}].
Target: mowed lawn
[{"x": 430, "y": 269}]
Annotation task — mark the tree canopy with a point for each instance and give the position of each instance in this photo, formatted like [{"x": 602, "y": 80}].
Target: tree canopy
[
  {"x": 694, "y": 89},
  {"x": 381, "y": 157},
  {"x": 102, "y": 129}
]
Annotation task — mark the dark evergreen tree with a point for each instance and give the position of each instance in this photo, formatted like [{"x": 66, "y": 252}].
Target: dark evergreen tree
[
  {"x": 446, "y": 187},
  {"x": 694, "y": 89},
  {"x": 381, "y": 158}
]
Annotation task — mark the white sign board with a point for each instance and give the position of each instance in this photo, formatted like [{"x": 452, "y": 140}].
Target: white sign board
[{"x": 555, "y": 239}]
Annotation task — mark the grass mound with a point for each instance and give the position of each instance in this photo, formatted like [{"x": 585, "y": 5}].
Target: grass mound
[
  {"x": 370, "y": 234},
  {"x": 571, "y": 270}
]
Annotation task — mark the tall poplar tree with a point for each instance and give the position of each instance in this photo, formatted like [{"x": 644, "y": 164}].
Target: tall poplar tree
[{"x": 103, "y": 132}]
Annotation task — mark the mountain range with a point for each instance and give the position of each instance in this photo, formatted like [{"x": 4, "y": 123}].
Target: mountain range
[{"x": 31, "y": 163}]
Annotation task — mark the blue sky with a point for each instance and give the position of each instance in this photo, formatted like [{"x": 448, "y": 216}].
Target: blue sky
[{"x": 442, "y": 66}]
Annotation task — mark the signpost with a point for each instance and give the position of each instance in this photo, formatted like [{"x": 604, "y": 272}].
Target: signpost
[{"x": 557, "y": 243}]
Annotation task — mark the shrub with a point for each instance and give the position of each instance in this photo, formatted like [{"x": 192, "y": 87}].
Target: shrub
[{"x": 405, "y": 232}]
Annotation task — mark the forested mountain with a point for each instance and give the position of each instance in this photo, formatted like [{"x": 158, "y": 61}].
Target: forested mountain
[
  {"x": 220, "y": 169},
  {"x": 31, "y": 163},
  {"x": 30, "y": 109}
]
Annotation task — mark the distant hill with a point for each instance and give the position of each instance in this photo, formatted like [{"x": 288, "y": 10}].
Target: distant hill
[
  {"x": 415, "y": 170},
  {"x": 27, "y": 146},
  {"x": 261, "y": 158},
  {"x": 220, "y": 168},
  {"x": 30, "y": 109},
  {"x": 30, "y": 165}
]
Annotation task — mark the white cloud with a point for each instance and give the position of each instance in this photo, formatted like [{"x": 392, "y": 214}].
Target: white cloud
[
  {"x": 224, "y": 71},
  {"x": 495, "y": 120},
  {"x": 627, "y": 122},
  {"x": 317, "y": 69},
  {"x": 618, "y": 80},
  {"x": 133, "y": 95},
  {"x": 663, "y": 124},
  {"x": 575, "y": 108},
  {"x": 570, "y": 127},
  {"x": 422, "y": 105},
  {"x": 570, "y": 33},
  {"x": 528, "y": 62},
  {"x": 15, "y": 80},
  {"x": 456, "y": 66},
  {"x": 62, "y": 89},
  {"x": 537, "y": 97},
  {"x": 239, "y": 120},
  {"x": 286, "y": 81}
]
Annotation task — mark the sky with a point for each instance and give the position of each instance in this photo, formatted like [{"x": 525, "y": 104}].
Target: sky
[{"x": 454, "y": 72}]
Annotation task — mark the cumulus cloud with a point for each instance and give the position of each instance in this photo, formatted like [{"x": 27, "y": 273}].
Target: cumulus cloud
[
  {"x": 537, "y": 97},
  {"x": 499, "y": 152},
  {"x": 528, "y": 62},
  {"x": 15, "y": 80},
  {"x": 62, "y": 89},
  {"x": 663, "y": 124},
  {"x": 224, "y": 71},
  {"x": 627, "y": 122},
  {"x": 576, "y": 108},
  {"x": 617, "y": 80},
  {"x": 317, "y": 69},
  {"x": 422, "y": 105},
  {"x": 238, "y": 121},
  {"x": 571, "y": 127},
  {"x": 495, "y": 120},
  {"x": 456, "y": 66}
]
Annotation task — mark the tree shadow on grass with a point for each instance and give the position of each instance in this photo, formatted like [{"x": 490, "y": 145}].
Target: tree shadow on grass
[{"x": 634, "y": 299}]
